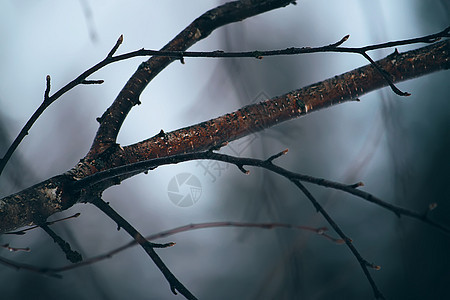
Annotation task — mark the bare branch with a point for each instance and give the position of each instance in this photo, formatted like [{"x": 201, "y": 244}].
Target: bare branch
[
  {"x": 319, "y": 231},
  {"x": 47, "y": 88},
  {"x": 334, "y": 47},
  {"x": 48, "y": 100},
  {"x": 116, "y": 46},
  {"x": 72, "y": 256},
  {"x": 175, "y": 284},
  {"x": 139, "y": 167},
  {"x": 23, "y": 231},
  {"x": 31, "y": 268},
  {"x": 112, "y": 119}
]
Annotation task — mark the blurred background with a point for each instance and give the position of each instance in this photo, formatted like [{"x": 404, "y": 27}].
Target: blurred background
[{"x": 399, "y": 147}]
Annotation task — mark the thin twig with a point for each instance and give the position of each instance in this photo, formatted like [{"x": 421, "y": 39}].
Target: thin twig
[
  {"x": 47, "y": 88},
  {"x": 175, "y": 284},
  {"x": 334, "y": 47},
  {"x": 319, "y": 231},
  {"x": 116, "y": 46},
  {"x": 31, "y": 268},
  {"x": 72, "y": 256},
  {"x": 23, "y": 231},
  {"x": 48, "y": 100},
  {"x": 364, "y": 263}
]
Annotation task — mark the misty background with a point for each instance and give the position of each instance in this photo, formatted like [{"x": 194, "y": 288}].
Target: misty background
[{"x": 397, "y": 146}]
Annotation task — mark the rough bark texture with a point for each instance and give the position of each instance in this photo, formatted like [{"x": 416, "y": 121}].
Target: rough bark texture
[{"x": 35, "y": 204}]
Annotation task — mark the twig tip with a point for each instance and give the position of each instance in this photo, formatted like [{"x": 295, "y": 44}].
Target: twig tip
[
  {"x": 356, "y": 185},
  {"x": 47, "y": 88},
  {"x": 116, "y": 46},
  {"x": 270, "y": 159},
  {"x": 243, "y": 170}
]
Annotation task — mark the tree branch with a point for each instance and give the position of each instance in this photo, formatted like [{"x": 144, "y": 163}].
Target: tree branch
[
  {"x": 364, "y": 263},
  {"x": 89, "y": 261},
  {"x": 266, "y": 114},
  {"x": 112, "y": 120},
  {"x": 175, "y": 284}
]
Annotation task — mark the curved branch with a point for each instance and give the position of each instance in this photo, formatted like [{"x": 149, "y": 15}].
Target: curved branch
[
  {"x": 256, "y": 117},
  {"x": 175, "y": 284},
  {"x": 48, "y": 100},
  {"x": 113, "y": 118}
]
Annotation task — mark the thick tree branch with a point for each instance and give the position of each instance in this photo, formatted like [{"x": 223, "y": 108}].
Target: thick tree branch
[
  {"x": 249, "y": 119},
  {"x": 231, "y": 12},
  {"x": 364, "y": 263},
  {"x": 175, "y": 284}
]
